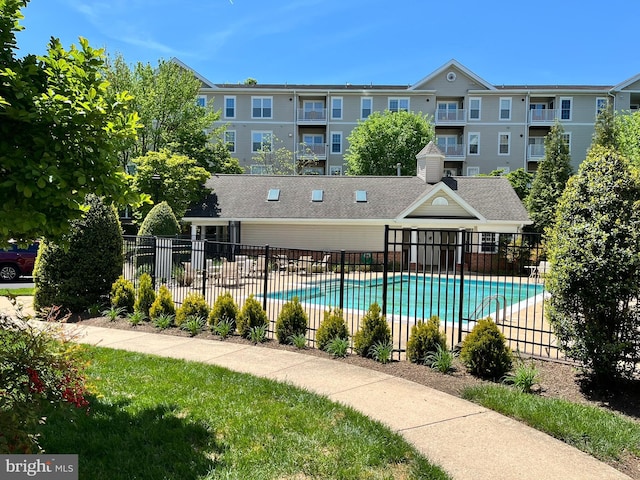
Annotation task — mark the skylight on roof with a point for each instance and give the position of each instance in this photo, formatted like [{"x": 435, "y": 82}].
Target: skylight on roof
[
  {"x": 274, "y": 195},
  {"x": 361, "y": 196},
  {"x": 317, "y": 195}
]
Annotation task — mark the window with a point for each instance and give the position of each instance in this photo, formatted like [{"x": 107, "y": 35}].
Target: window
[
  {"x": 336, "y": 142},
  {"x": 565, "y": 108},
  {"x": 201, "y": 101},
  {"x": 448, "y": 144},
  {"x": 229, "y": 107},
  {"x": 336, "y": 107},
  {"x": 566, "y": 136},
  {"x": 489, "y": 243},
  {"x": 505, "y": 109},
  {"x": 399, "y": 104},
  {"x": 474, "y": 143},
  {"x": 447, "y": 111},
  {"x": 274, "y": 195},
  {"x": 366, "y": 107},
  {"x": 440, "y": 202},
  {"x": 230, "y": 140},
  {"x": 361, "y": 196},
  {"x": 313, "y": 144},
  {"x": 474, "y": 108},
  {"x": 317, "y": 195},
  {"x": 261, "y": 141},
  {"x": 473, "y": 171},
  {"x": 335, "y": 170},
  {"x": 313, "y": 110},
  {"x": 504, "y": 143},
  {"x": 260, "y": 170},
  {"x": 601, "y": 104},
  {"x": 261, "y": 107},
  {"x": 503, "y": 170}
]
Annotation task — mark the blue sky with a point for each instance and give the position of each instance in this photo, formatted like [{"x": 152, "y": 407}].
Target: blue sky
[{"x": 559, "y": 42}]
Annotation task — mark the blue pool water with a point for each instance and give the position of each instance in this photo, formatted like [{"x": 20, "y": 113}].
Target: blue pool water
[{"x": 419, "y": 296}]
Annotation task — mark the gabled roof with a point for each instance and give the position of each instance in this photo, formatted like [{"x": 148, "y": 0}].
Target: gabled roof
[
  {"x": 626, "y": 83},
  {"x": 389, "y": 198},
  {"x": 453, "y": 64},
  {"x": 205, "y": 83}
]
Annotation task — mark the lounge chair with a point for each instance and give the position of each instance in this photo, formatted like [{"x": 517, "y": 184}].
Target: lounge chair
[
  {"x": 303, "y": 265},
  {"x": 321, "y": 266},
  {"x": 229, "y": 274},
  {"x": 259, "y": 267}
]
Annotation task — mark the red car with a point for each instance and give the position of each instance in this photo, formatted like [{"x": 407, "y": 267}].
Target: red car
[{"x": 17, "y": 262}]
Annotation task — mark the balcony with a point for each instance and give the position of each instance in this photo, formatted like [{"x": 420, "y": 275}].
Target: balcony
[
  {"x": 453, "y": 151},
  {"x": 312, "y": 117},
  {"x": 543, "y": 117},
  {"x": 535, "y": 152},
  {"x": 311, "y": 152},
  {"x": 451, "y": 117}
]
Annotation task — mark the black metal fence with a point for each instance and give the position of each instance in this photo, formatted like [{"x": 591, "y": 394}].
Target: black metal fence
[{"x": 459, "y": 276}]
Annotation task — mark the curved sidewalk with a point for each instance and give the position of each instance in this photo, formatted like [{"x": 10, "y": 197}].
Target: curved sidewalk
[{"x": 468, "y": 441}]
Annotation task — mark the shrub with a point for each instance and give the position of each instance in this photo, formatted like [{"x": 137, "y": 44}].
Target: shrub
[
  {"x": 193, "y": 305},
  {"x": 160, "y": 222},
  {"x": 162, "y": 304},
  {"x": 291, "y": 321},
  {"x": 382, "y": 351},
  {"x": 123, "y": 294},
  {"x": 484, "y": 351},
  {"x": 441, "y": 359},
  {"x": 374, "y": 329},
  {"x": 224, "y": 328},
  {"x": 333, "y": 325},
  {"x": 425, "y": 337},
  {"x": 146, "y": 295},
  {"x": 163, "y": 321},
  {"x": 224, "y": 308},
  {"x": 81, "y": 273},
  {"x": 337, "y": 347},
  {"x": 251, "y": 315},
  {"x": 524, "y": 377},
  {"x": 193, "y": 324}
]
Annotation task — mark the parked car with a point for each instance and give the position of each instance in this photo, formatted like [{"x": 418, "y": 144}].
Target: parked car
[{"x": 17, "y": 262}]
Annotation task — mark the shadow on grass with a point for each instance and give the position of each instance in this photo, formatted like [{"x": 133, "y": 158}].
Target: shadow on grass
[
  {"x": 111, "y": 443},
  {"x": 622, "y": 395}
]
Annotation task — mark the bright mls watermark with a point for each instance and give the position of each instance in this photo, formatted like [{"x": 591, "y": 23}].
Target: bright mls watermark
[{"x": 50, "y": 467}]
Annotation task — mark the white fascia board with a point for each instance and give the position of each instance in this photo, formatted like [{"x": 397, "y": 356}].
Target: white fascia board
[{"x": 440, "y": 187}]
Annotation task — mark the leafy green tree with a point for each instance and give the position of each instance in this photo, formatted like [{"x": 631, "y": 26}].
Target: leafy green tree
[
  {"x": 627, "y": 130},
  {"x": 520, "y": 180},
  {"x": 277, "y": 159},
  {"x": 60, "y": 127},
  {"x": 549, "y": 182},
  {"x": 604, "y": 132},
  {"x": 594, "y": 250},
  {"x": 179, "y": 180},
  {"x": 160, "y": 221},
  {"x": 83, "y": 273},
  {"x": 385, "y": 139}
]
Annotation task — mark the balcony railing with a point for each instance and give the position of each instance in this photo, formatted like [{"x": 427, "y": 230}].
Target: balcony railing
[
  {"x": 444, "y": 117},
  {"x": 457, "y": 150},
  {"x": 542, "y": 116},
  {"x": 309, "y": 152},
  {"x": 318, "y": 115},
  {"x": 535, "y": 152}
]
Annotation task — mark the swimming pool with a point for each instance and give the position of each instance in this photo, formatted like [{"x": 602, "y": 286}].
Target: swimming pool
[{"x": 420, "y": 296}]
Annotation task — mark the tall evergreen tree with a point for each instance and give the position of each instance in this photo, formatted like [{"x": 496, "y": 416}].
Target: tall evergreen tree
[{"x": 550, "y": 180}]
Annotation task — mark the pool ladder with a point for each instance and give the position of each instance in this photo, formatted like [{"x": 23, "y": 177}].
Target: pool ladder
[{"x": 486, "y": 302}]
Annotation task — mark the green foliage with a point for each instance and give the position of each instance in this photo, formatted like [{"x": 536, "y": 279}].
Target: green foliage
[
  {"x": 145, "y": 295},
  {"x": 441, "y": 359},
  {"x": 258, "y": 334},
  {"x": 160, "y": 221},
  {"x": 373, "y": 329},
  {"x": 485, "y": 352},
  {"x": 627, "y": 130},
  {"x": 162, "y": 304},
  {"x": 224, "y": 308},
  {"x": 180, "y": 184},
  {"x": 136, "y": 318},
  {"x": 224, "y": 327},
  {"x": 550, "y": 180},
  {"x": 333, "y": 325},
  {"x": 425, "y": 337},
  {"x": 291, "y": 321},
  {"x": 384, "y": 139},
  {"x": 337, "y": 346},
  {"x": 113, "y": 313},
  {"x": 523, "y": 378},
  {"x": 193, "y": 305},
  {"x": 60, "y": 129},
  {"x": 192, "y": 324},
  {"x": 594, "y": 250},
  {"x": 251, "y": 315},
  {"x": 299, "y": 340},
  {"x": 123, "y": 294},
  {"x": 82, "y": 273},
  {"x": 38, "y": 368},
  {"x": 520, "y": 180},
  {"x": 381, "y": 352},
  {"x": 164, "y": 321}
]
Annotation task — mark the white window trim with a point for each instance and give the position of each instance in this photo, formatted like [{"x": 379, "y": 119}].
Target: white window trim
[
  {"x": 331, "y": 134},
  {"x": 399, "y": 99},
  {"x": 230, "y": 97},
  {"x": 508, "y": 135},
  {"x": 507, "y": 99},
  {"x": 263, "y": 133},
  {"x": 362, "y": 100},
  {"x": 599, "y": 100},
  {"x": 568, "y": 134},
  {"x": 262, "y": 107},
  {"x": 479, "y": 99},
  {"x": 339, "y": 99},
  {"x": 469, "y": 143},
  {"x": 235, "y": 142},
  {"x": 490, "y": 244},
  {"x": 473, "y": 171},
  {"x": 570, "y": 109}
]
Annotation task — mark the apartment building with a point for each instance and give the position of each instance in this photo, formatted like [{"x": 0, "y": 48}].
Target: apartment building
[{"x": 479, "y": 127}]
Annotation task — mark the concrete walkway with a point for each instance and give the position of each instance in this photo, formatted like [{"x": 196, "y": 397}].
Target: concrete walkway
[{"x": 468, "y": 441}]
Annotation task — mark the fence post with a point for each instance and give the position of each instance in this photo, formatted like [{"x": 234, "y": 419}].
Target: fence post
[
  {"x": 265, "y": 286},
  {"x": 385, "y": 270},
  {"x": 463, "y": 233},
  {"x": 342, "y": 267}
]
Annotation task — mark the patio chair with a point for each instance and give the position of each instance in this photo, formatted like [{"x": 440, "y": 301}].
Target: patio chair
[
  {"x": 229, "y": 275},
  {"x": 260, "y": 267},
  {"x": 321, "y": 266},
  {"x": 303, "y": 265},
  {"x": 543, "y": 269}
]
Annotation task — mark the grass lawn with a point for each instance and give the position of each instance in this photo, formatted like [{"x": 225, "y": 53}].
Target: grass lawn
[
  {"x": 17, "y": 291},
  {"x": 158, "y": 418},
  {"x": 605, "y": 435}
]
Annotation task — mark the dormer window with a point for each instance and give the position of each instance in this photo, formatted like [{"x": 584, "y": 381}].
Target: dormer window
[{"x": 317, "y": 195}]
